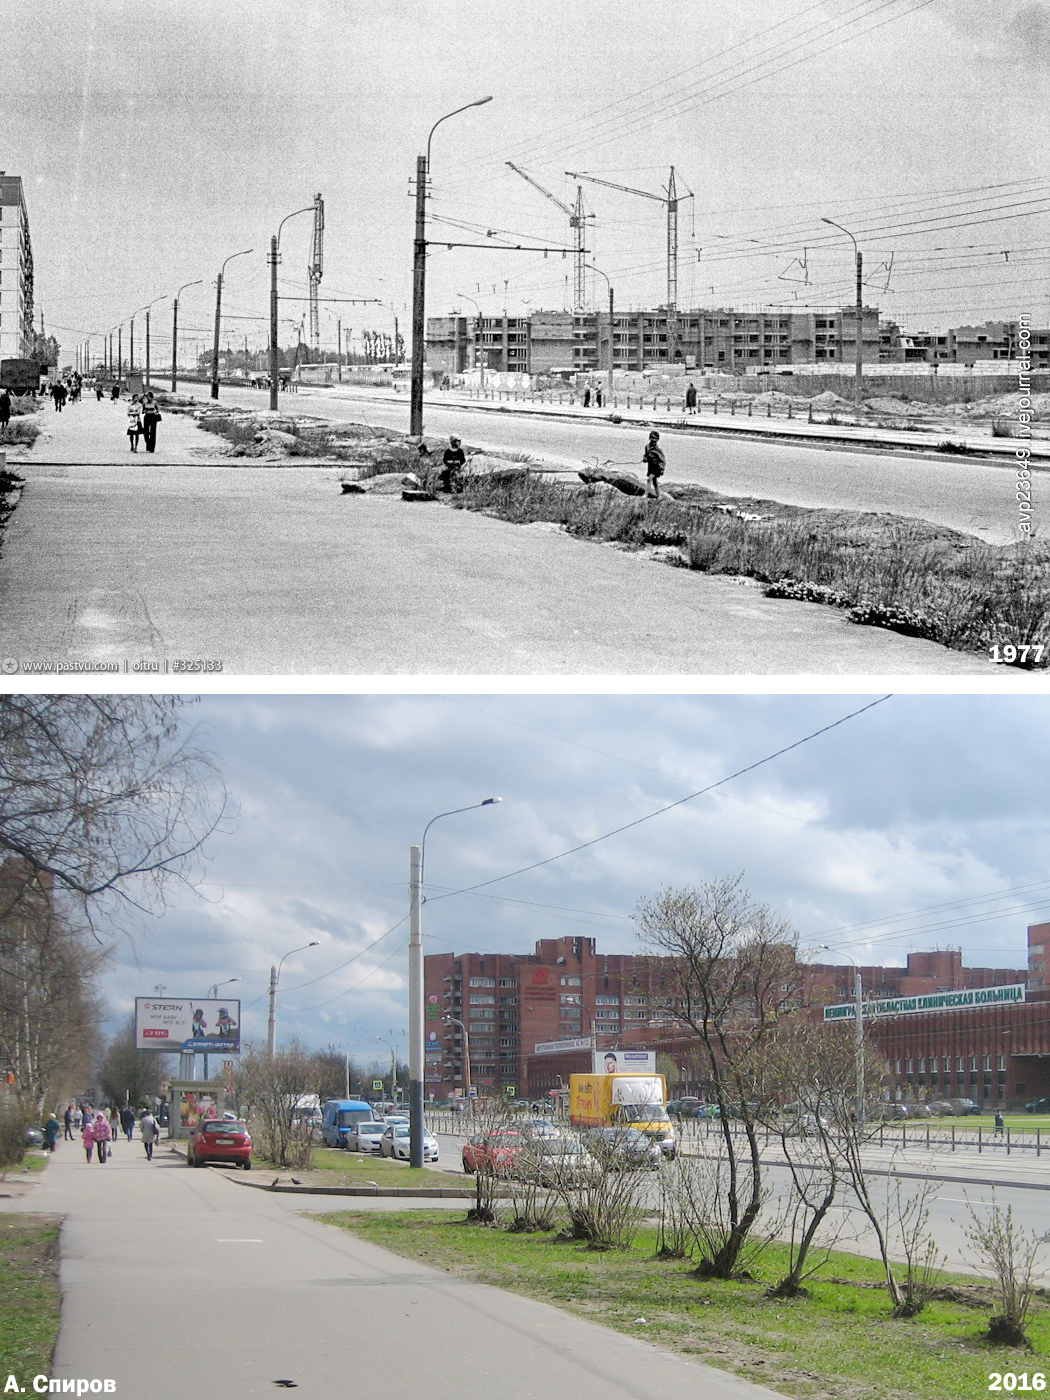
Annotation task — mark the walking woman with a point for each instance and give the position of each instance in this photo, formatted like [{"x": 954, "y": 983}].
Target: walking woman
[
  {"x": 150, "y": 1133},
  {"x": 150, "y": 419},
  {"x": 134, "y": 422},
  {"x": 102, "y": 1133},
  {"x": 88, "y": 1136}
]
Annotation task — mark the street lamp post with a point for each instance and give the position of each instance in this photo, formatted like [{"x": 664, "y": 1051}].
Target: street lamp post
[
  {"x": 275, "y": 253},
  {"x": 858, "y": 996},
  {"x": 860, "y": 310},
  {"x": 120, "y": 353},
  {"x": 275, "y": 977},
  {"x": 393, "y": 1067},
  {"x": 609, "y": 392},
  {"x": 218, "y": 314},
  {"x": 465, "y": 1060},
  {"x": 175, "y": 331},
  {"x": 415, "y": 982},
  {"x": 147, "y": 311},
  {"x": 419, "y": 272},
  {"x": 480, "y": 347}
]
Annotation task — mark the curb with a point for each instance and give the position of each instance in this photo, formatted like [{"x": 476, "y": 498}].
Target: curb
[{"x": 455, "y": 1193}]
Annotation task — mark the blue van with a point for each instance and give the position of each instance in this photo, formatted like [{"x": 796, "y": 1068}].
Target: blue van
[{"x": 339, "y": 1115}]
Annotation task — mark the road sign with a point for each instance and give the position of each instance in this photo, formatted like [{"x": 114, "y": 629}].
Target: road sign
[
  {"x": 377, "y": 1085},
  {"x": 509, "y": 1090},
  {"x": 473, "y": 1091}
]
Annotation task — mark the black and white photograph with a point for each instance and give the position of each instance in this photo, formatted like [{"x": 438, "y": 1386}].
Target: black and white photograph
[{"x": 702, "y": 339}]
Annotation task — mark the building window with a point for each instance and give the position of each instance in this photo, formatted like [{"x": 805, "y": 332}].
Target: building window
[
  {"x": 570, "y": 999},
  {"x": 482, "y": 982},
  {"x": 508, "y": 981},
  {"x": 571, "y": 982},
  {"x": 606, "y": 1001},
  {"x": 482, "y": 1001}
]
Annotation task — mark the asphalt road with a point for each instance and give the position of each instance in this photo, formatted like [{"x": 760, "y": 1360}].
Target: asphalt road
[
  {"x": 976, "y": 498},
  {"x": 178, "y": 1282},
  {"x": 186, "y": 565}
]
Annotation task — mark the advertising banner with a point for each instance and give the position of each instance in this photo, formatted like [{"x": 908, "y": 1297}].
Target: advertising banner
[
  {"x": 182, "y": 1026},
  {"x": 1011, "y": 995},
  {"x": 625, "y": 1062}
]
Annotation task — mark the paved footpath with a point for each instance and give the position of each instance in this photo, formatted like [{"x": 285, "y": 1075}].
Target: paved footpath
[
  {"x": 179, "y": 1282},
  {"x": 137, "y": 563}
]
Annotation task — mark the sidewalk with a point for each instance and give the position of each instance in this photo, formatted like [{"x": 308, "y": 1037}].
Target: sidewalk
[{"x": 175, "y": 1283}]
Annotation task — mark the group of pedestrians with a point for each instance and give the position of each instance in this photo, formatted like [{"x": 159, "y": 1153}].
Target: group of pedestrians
[
  {"x": 99, "y": 1131},
  {"x": 143, "y": 417}
]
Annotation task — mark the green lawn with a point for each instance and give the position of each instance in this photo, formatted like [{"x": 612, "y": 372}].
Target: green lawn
[
  {"x": 29, "y": 1298},
  {"x": 356, "y": 1169},
  {"x": 840, "y": 1341}
]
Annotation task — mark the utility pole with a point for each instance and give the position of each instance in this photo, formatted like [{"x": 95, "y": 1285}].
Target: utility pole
[
  {"x": 273, "y": 322},
  {"x": 175, "y": 331},
  {"x": 415, "y": 1008},
  {"x": 215, "y": 347},
  {"x": 131, "y": 352},
  {"x": 859, "y": 371},
  {"x": 120, "y": 351},
  {"x": 339, "y": 348},
  {"x": 419, "y": 273}
]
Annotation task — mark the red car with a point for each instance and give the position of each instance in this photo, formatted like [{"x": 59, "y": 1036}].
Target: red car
[
  {"x": 219, "y": 1140},
  {"x": 492, "y": 1151}
]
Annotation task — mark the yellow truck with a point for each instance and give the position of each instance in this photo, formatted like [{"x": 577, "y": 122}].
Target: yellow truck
[{"x": 623, "y": 1101}]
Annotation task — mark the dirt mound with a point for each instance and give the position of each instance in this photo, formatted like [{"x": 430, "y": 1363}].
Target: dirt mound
[
  {"x": 896, "y": 408},
  {"x": 830, "y": 400},
  {"x": 1007, "y": 406}
]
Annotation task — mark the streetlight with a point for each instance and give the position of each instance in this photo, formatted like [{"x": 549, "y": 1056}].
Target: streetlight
[
  {"x": 393, "y": 1067},
  {"x": 858, "y": 996},
  {"x": 480, "y": 347},
  {"x": 419, "y": 269},
  {"x": 275, "y": 977},
  {"x": 175, "y": 330},
  {"x": 275, "y": 252},
  {"x": 214, "y": 992},
  {"x": 415, "y": 979},
  {"x": 147, "y": 309},
  {"x": 465, "y": 1058},
  {"x": 600, "y": 273},
  {"x": 860, "y": 305},
  {"x": 218, "y": 312}
]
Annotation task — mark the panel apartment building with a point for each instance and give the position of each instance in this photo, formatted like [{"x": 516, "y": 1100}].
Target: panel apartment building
[
  {"x": 512, "y": 1003},
  {"x": 16, "y": 271}
]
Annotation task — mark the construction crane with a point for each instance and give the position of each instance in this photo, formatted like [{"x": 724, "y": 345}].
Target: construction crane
[
  {"x": 577, "y": 223},
  {"x": 670, "y": 198},
  {"x": 314, "y": 273}
]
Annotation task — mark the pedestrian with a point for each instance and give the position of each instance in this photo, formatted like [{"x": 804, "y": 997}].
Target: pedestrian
[
  {"x": 88, "y": 1136},
  {"x": 452, "y": 463},
  {"x": 999, "y": 1124},
  {"x": 134, "y": 422},
  {"x": 587, "y": 397},
  {"x": 54, "y": 395},
  {"x": 150, "y": 1133},
  {"x": 690, "y": 398},
  {"x": 115, "y": 392},
  {"x": 99, "y": 392},
  {"x": 78, "y": 1119},
  {"x": 61, "y": 394},
  {"x": 5, "y": 412},
  {"x": 67, "y": 1117},
  {"x": 598, "y": 397},
  {"x": 655, "y": 465},
  {"x": 150, "y": 419},
  {"x": 127, "y": 1120},
  {"x": 52, "y": 1128},
  {"x": 102, "y": 1133}
]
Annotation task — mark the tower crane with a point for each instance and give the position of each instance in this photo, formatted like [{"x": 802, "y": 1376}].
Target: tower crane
[
  {"x": 670, "y": 198},
  {"x": 577, "y": 223},
  {"x": 314, "y": 273}
]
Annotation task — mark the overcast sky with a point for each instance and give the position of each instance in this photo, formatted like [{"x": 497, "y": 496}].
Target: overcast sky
[
  {"x": 155, "y": 137},
  {"x": 919, "y": 802}
]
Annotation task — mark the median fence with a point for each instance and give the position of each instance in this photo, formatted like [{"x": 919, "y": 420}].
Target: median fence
[{"x": 934, "y": 1137}]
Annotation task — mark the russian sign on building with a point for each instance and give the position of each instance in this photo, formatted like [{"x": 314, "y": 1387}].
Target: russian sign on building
[
  {"x": 973, "y": 997},
  {"x": 554, "y": 1047},
  {"x": 176, "y": 1026}
]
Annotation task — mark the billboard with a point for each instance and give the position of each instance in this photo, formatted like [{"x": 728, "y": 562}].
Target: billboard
[
  {"x": 1010, "y": 995},
  {"x": 625, "y": 1062},
  {"x": 183, "y": 1026}
]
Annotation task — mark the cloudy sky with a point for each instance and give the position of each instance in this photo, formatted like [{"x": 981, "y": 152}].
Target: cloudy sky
[
  {"x": 155, "y": 137},
  {"x": 917, "y": 824}
]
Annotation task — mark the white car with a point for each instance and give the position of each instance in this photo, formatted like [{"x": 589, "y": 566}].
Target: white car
[
  {"x": 364, "y": 1137},
  {"x": 396, "y": 1141}
]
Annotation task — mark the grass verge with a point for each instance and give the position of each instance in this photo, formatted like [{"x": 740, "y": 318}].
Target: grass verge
[
  {"x": 332, "y": 1167},
  {"x": 906, "y": 575},
  {"x": 29, "y": 1296},
  {"x": 841, "y": 1340}
]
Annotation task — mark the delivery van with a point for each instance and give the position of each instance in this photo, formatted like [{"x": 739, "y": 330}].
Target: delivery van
[
  {"x": 623, "y": 1100},
  {"x": 339, "y": 1115}
]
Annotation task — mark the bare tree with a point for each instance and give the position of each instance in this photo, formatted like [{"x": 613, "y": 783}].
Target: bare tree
[
  {"x": 105, "y": 794},
  {"x": 730, "y": 972},
  {"x": 129, "y": 1075},
  {"x": 271, "y": 1088},
  {"x": 1008, "y": 1254}
]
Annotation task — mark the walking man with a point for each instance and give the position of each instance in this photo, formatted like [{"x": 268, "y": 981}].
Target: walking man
[
  {"x": 5, "y": 412},
  {"x": 127, "y": 1120},
  {"x": 690, "y": 398},
  {"x": 655, "y": 465},
  {"x": 68, "y": 1117},
  {"x": 999, "y": 1124}
]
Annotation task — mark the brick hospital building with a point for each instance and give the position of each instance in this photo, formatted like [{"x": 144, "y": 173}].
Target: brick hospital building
[{"x": 998, "y": 1055}]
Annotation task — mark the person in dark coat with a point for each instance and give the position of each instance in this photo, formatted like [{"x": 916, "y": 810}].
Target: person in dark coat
[
  {"x": 655, "y": 465},
  {"x": 150, "y": 419},
  {"x": 127, "y": 1120},
  {"x": 452, "y": 463},
  {"x": 5, "y": 412},
  {"x": 690, "y": 399}
]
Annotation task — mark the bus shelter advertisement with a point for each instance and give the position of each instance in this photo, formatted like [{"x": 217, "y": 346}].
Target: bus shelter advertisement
[{"x": 184, "y": 1026}]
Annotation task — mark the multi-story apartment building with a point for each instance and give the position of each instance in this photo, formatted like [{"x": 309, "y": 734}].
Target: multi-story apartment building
[{"x": 16, "y": 271}]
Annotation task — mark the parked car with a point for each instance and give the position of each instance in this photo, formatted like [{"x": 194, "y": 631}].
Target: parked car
[
  {"x": 389, "y": 1118},
  {"x": 919, "y": 1110},
  {"x": 621, "y": 1147},
  {"x": 890, "y": 1112},
  {"x": 941, "y": 1108},
  {"x": 364, "y": 1137},
  {"x": 338, "y": 1116},
  {"x": 396, "y": 1142},
  {"x": 965, "y": 1106},
  {"x": 218, "y": 1140},
  {"x": 1038, "y": 1106},
  {"x": 34, "y": 1137},
  {"x": 561, "y": 1161}
]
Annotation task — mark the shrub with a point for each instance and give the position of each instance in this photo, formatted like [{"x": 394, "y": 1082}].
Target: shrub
[{"x": 15, "y": 1118}]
